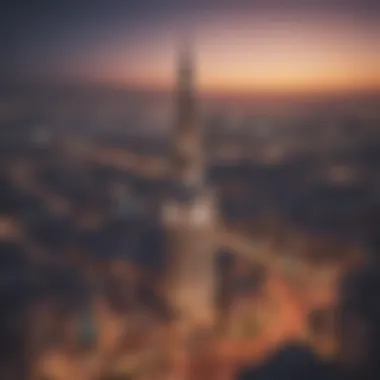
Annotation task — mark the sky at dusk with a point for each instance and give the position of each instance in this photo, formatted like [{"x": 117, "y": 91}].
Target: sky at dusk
[{"x": 240, "y": 46}]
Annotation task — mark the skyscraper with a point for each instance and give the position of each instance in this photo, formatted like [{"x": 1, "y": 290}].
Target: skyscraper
[{"x": 189, "y": 215}]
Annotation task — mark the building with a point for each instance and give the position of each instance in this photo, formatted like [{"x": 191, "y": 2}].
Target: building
[
  {"x": 358, "y": 323},
  {"x": 189, "y": 214}
]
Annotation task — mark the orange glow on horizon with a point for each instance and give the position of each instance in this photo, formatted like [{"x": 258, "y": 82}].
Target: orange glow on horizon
[
  {"x": 241, "y": 79},
  {"x": 267, "y": 54},
  {"x": 240, "y": 85},
  {"x": 288, "y": 80}
]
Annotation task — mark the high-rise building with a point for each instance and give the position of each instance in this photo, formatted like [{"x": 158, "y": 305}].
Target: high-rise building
[{"x": 189, "y": 214}]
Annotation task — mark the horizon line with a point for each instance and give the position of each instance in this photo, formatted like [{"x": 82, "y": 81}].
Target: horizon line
[{"x": 202, "y": 92}]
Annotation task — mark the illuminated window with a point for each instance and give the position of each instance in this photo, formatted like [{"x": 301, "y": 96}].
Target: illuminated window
[{"x": 200, "y": 213}]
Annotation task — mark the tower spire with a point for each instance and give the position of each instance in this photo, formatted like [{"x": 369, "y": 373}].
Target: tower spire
[
  {"x": 187, "y": 146},
  {"x": 186, "y": 96}
]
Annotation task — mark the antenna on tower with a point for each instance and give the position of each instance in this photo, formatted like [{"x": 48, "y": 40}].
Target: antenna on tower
[
  {"x": 185, "y": 55},
  {"x": 186, "y": 106},
  {"x": 186, "y": 49}
]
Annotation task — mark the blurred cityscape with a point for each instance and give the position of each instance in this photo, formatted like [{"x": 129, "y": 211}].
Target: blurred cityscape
[
  {"x": 84, "y": 175},
  {"x": 157, "y": 227}
]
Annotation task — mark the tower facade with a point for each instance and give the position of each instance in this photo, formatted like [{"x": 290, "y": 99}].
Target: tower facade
[{"x": 189, "y": 215}]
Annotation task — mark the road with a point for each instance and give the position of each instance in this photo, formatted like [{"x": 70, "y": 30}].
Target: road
[
  {"x": 22, "y": 175},
  {"x": 294, "y": 305},
  {"x": 257, "y": 252},
  {"x": 315, "y": 289},
  {"x": 145, "y": 166}
]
